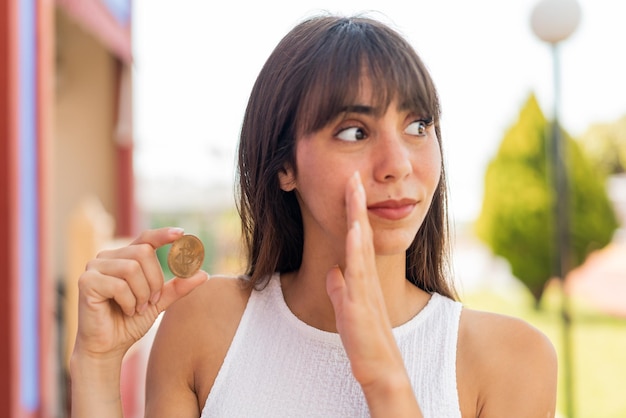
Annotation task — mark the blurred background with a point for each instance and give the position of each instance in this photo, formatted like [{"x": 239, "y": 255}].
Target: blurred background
[{"x": 120, "y": 115}]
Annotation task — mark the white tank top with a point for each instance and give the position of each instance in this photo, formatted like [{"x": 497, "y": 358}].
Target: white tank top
[{"x": 278, "y": 366}]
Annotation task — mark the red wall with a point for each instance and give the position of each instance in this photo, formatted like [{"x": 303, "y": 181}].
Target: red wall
[
  {"x": 10, "y": 405},
  {"x": 8, "y": 211}
]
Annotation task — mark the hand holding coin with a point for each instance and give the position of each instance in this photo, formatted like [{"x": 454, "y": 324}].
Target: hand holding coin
[{"x": 185, "y": 256}]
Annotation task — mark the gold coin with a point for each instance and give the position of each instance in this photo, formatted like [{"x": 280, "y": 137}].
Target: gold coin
[{"x": 186, "y": 256}]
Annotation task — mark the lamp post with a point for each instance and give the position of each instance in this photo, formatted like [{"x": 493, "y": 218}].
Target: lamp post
[{"x": 553, "y": 21}]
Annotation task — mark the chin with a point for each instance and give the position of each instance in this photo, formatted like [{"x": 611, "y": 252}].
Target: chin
[{"x": 390, "y": 246}]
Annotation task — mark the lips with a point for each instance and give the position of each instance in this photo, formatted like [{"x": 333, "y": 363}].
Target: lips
[{"x": 393, "y": 209}]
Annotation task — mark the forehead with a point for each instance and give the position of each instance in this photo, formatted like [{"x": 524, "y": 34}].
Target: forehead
[
  {"x": 366, "y": 101},
  {"x": 361, "y": 67},
  {"x": 365, "y": 92},
  {"x": 326, "y": 102}
]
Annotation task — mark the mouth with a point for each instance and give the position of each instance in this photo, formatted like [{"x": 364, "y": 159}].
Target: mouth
[{"x": 393, "y": 209}]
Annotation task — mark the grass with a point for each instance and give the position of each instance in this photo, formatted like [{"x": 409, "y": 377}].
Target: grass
[{"x": 598, "y": 348}]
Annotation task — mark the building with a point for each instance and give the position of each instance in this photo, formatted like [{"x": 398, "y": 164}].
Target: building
[{"x": 65, "y": 135}]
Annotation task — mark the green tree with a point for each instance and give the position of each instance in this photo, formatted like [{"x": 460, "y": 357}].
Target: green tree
[
  {"x": 517, "y": 218},
  {"x": 605, "y": 143}
]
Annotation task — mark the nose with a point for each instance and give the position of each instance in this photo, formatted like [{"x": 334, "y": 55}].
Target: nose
[{"x": 392, "y": 158}]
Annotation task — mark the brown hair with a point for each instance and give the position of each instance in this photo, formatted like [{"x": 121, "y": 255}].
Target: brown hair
[{"x": 313, "y": 73}]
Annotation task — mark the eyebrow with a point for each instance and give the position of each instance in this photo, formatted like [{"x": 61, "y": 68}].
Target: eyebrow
[
  {"x": 363, "y": 109},
  {"x": 368, "y": 110}
]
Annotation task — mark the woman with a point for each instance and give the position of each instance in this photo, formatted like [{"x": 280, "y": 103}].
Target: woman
[{"x": 345, "y": 308}]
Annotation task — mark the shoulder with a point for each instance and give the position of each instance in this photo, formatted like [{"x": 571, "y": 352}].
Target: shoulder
[
  {"x": 207, "y": 317},
  {"x": 503, "y": 362},
  {"x": 220, "y": 301},
  {"x": 220, "y": 296},
  {"x": 484, "y": 328},
  {"x": 193, "y": 339}
]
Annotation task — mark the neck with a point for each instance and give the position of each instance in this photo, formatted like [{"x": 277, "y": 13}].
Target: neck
[{"x": 305, "y": 291}]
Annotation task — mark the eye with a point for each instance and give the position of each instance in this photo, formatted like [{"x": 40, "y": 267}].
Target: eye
[
  {"x": 354, "y": 133},
  {"x": 419, "y": 127}
]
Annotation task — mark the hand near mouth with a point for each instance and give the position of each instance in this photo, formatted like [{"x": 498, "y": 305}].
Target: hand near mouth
[{"x": 362, "y": 319}]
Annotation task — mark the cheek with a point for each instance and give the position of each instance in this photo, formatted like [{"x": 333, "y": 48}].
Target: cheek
[
  {"x": 321, "y": 168},
  {"x": 322, "y": 185},
  {"x": 436, "y": 167},
  {"x": 320, "y": 180},
  {"x": 428, "y": 166}
]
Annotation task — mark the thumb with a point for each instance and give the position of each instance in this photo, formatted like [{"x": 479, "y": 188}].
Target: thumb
[
  {"x": 335, "y": 287},
  {"x": 178, "y": 287}
]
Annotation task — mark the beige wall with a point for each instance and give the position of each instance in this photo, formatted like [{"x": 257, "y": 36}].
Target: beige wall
[{"x": 84, "y": 149}]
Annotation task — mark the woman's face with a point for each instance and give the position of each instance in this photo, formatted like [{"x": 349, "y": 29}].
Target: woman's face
[{"x": 398, "y": 158}]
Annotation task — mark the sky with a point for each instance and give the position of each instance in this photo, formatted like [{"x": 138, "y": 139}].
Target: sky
[{"x": 196, "y": 62}]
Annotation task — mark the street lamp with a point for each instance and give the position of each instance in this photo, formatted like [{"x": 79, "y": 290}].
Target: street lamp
[{"x": 553, "y": 21}]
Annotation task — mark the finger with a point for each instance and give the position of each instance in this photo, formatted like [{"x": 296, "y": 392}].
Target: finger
[
  {"x": 356, "y": 209},
  {"x": 96, "y": 288},
  {"x": 356, "y": 203},
  {"x": 145, "y": 255},
  {"x": 129, "y": 270},
  {"x": 360, "y": 212},
  {"x": 355, "y": 271},
  {"x": 159, "y": 237},
  {"x": 151, "y": 268},
  {"x": 359, "y": 246},
  {"x": 177, "y": 288},
  {"x": 335, "y": 288}
]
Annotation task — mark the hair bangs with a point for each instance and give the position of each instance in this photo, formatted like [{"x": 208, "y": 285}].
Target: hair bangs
[{"x": 355, "y": 53}]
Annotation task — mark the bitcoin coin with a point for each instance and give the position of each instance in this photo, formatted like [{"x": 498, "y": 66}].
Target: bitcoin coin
[{"x": 186, "y": 256}]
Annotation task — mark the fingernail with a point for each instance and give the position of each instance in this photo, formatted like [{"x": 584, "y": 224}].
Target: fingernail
[
  {"x": 141, "y": 309},
  {"x": 155, "y": 298},
  {"x": 176, "y": 231}
]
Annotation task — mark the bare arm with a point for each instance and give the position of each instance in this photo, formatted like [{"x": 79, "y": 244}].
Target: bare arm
[
  {"x": 513, "y": 364},
  {"x": 190, "y": 347},
  {"x": 95, "y": 382},
  {"x": 170, "y": 389},
  {"x": 121, "y": 293}
]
